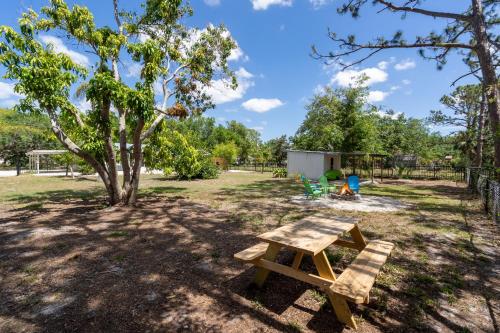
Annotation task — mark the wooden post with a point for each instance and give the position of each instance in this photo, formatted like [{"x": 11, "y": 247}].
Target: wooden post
[
  {"x": 373, "y": 168},
  {"x": 381, "y": 170}
]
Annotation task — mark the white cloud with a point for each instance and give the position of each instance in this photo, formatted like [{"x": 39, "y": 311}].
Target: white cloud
[
  {"x": 394, "y": 88},
  {"x": 383, "y": 65},
  {"x": 8, "y": 103},
  {"x": 59, "y": 47},
  {"x": 319, "y": 89},
  {"x": 7, "y": 90},
  {"x": 258, "y": 128},
  {"x": 319, "y": 3},
  {"x": 212, "y": 2},
  {"x": 221, "y": 91},
  {"x": 406, "y": 82},
  {"x": 158, "y": 87},
  {"x": 237, "y": 54},
  {"x": 134, "y": 70},
  {"x": 405, "y": 64},
  {"x": 83, "y": 105},
  {"x": 352, "y": 76},
  {"x": 392, "y": 116},
  {"x": 264, "y": 4},
  {"x": 262, "y": 105},
  {"x": 8, "y": 97},
  {"x": 242, "y": 73},
  {"x": 377, "y": 96}
]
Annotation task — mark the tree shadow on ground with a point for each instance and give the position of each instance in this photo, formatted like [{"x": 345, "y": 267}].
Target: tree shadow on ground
[{"x": 168, "y": 265}]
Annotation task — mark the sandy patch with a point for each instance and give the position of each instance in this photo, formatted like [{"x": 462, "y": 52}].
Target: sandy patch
[{"x": 365, "y": 204}]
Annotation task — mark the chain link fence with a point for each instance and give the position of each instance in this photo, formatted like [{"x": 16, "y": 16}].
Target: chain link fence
[{"x": 482, "y": 182}]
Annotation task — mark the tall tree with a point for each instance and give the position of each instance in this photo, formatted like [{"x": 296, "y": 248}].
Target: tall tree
[
  {"x": 466, "y": 104},
  {"x": 180, "y": 59},
  {"x": 471, "y": 32},
  {"x": 278, "y": 147},
  {"x": 337, "y": 120}
]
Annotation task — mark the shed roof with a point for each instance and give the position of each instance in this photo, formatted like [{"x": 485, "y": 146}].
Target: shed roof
[
  {"x": 354, "y": 153},
  {"x": 315, "y": 152}
]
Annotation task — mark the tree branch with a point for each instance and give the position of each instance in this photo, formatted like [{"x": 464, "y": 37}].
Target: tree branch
[
  {"x": 153, "y": 126},
  {"x": 454, "y": 16},
  {"x": 75, "y": 149},
  {"x": 377, "y": 47},
  {"x": 465, "y": 75}
]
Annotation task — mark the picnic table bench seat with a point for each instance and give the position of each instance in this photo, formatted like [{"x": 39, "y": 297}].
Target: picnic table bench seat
[
  {"x": 252, "y": 253},
  {"x": 355, "y": 282}
]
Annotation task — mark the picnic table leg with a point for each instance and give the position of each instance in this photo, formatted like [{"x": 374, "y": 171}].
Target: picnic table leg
[
  {"x": 357, "y": 237},
  {"x": 323, "y": 265},
  {"x": 297, "y": 260},
  {"x": 339, "y": 304},
  {"x": 262, "y": 273},
  {"x": 342, "y": 310}
]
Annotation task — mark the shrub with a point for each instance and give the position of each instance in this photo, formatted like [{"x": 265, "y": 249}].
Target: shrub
[
  {"x": 333, "y": 174},
  {"x": 208, "y": 170},
  {"x": 279, "y": 173},
  {"x": 228, "y": 151}
]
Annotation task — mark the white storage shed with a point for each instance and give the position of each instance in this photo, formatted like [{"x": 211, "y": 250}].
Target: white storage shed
[{"x": 312, "y": 164}]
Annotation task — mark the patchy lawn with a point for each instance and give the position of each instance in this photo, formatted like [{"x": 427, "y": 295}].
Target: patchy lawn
[{"x": 69, "y": 263}]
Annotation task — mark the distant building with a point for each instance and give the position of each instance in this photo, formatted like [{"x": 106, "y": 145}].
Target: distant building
[{"x": 405, "y": 160}]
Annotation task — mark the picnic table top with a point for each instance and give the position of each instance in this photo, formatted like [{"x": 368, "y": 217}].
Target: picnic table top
[{"x": 310, "y": 235}]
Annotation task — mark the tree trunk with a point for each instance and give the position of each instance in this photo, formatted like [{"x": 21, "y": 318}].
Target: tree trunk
[
  {"x": 489, "y": 76},
  {"x": 478, "y": 161},
  {"x": 131, "y": 195},
  {"x": 18, "y": 167}
]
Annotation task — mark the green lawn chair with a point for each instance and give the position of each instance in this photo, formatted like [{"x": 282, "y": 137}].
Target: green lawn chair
[
  {"x": 311, "y": 192},
  {"x": 306, "y": 180},
  {"x": 325, "y": 186}
]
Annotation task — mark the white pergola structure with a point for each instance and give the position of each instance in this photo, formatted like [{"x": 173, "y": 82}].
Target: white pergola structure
[{"x": 34, "y": 157}]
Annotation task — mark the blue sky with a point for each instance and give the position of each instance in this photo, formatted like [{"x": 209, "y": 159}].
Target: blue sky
[{"x": 276, "y": 72}]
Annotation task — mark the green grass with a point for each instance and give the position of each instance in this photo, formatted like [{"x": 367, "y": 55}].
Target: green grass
[{"x": 116, "y": 234}]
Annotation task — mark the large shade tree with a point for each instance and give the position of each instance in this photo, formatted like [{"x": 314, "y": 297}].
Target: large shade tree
[
  {"x": 473, "y": 33},
  {"x": 182, "y": 61},
  {"x": 337, "y": 120}
]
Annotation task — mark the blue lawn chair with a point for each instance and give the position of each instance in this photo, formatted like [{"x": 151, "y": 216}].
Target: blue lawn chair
[{"x": 353, "y": 182}]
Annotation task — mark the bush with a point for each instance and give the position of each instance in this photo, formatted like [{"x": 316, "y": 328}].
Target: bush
[
  {"x": 279, "y": 173},
  {"x": 333, "y": 174},
  {"x": 208, "y": 170},
  {"x": 228, "y": 151}
]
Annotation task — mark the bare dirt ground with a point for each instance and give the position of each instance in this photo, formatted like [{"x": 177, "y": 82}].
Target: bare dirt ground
[{"x": 68, "y": 264}]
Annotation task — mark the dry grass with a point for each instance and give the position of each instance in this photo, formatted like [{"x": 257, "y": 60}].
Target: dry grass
[{"x": 431, "y": 275}]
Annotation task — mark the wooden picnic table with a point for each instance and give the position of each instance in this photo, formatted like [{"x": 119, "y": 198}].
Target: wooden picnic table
[{"x": 311, "y": 236}]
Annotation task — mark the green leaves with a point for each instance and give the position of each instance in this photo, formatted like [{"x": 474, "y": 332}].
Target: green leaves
[{"x": 181, "y": 59}]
